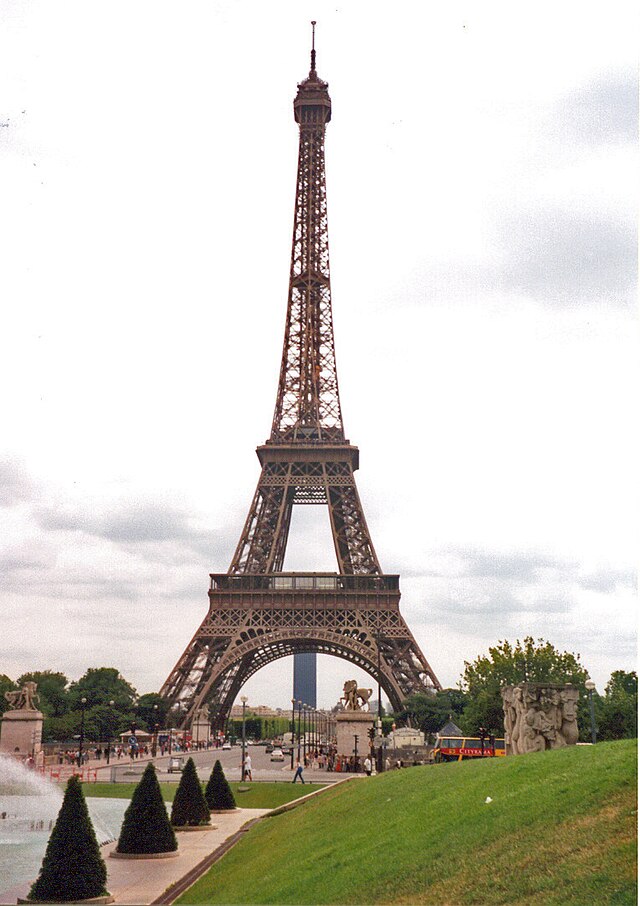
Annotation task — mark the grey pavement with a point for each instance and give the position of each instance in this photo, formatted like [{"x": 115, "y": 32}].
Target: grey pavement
[
  {"x": 263, "y": 769},
  {"x": 141, "y": 881}
]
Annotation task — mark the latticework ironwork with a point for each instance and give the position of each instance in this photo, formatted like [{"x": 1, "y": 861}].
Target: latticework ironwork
[{"x": 257, "y": 613}]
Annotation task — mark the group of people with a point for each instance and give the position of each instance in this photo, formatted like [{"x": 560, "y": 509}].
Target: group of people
[{"x": 318, "y": 759}]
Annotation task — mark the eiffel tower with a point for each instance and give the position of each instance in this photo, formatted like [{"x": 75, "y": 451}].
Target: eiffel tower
[{"x": 258, "y": 613}]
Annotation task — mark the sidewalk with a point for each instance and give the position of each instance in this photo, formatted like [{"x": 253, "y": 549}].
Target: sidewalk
[{"x": 141, "y": 881}]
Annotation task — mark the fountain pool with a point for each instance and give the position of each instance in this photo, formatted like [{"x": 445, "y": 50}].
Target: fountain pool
[{"x": 29, "y": 806}]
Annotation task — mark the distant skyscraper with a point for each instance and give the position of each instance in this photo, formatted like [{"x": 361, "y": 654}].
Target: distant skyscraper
[{"x": 304, "y": 678}]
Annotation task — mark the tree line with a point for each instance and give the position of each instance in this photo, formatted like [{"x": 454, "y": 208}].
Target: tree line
[
  {"x": 112, "y": 705},
  {"x": 477, "y": 701}
]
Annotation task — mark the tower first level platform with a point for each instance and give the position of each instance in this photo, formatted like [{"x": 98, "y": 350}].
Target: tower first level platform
[{"x": 256, "y": 619}]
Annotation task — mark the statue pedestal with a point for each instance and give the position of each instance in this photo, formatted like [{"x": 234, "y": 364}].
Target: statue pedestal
[
  {"x": 350, "y": 724},
  {"x": 21, "y": 733},
  {"x": 200, "y": 731}
]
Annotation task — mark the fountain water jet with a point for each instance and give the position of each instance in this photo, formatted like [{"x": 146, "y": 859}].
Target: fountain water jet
[{"x": 29, "y": 806}]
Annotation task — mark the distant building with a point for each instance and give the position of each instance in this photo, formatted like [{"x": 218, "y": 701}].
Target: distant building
[
  {"x": 258, "y": 711},
  {"x": 304, "y": 678},
  {"x": 405, "y": 737}
]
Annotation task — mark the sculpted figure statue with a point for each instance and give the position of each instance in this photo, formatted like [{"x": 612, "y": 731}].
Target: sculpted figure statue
[
  {"x": 354, "y": 699},
  {"x": 24, "y": 699},
  {"x": 202, "y": 714},
  {"x": 568, "y": 708},
  {"x": 509, "y": 709},
  {"x": 539, "y": 716}
]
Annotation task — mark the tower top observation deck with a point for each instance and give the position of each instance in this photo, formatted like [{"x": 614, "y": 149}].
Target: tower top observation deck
[{"x": 312, "y": 105}]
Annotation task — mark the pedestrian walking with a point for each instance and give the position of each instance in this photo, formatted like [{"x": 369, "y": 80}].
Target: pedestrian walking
[
  {"x": 367, "y": 766},
  {"x": 298, "y": 772},
  {"x": 247, "y": 768}
]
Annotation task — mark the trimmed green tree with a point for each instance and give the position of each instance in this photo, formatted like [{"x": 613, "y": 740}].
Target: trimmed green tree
[
  {"x": 189, "y": 808},
  {"x": 73, "y": 868},
  {"x": 218, "y": 792},
  {"x": 146, "y": 827}
]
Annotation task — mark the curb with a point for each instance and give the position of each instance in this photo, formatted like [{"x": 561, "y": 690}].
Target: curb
[
  {"x": 179, "y": 887},
  {"x": 288, "y": 806},
  {"x": 168, "y": 855}
]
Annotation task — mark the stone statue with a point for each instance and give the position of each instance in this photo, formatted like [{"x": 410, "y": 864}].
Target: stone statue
[
  {"x": 202, "y": 714},
  {"x": 539, "y": 716},
  {"x": 24, "y": 699},
  {"x": 354, "y": 699}
]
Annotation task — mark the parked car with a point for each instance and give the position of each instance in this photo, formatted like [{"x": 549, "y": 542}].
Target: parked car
[
  {"x": 269, "y": 748},
  {"x": 277, "y": 755},
  {"x": 175, "y": 764},
  {"x": 226, "y": 745}
]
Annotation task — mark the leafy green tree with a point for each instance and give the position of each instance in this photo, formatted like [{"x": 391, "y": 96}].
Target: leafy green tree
[
  {"x": 151, "y": 709},
  {"x": 6, "y": 685},
  {"x": 146, "y": 827},
  {"x": 617, "y": 712},
  {"x": 430, "y": 712},
  {"x": 189, "y": 805},
  {"x": 60, "y": 729},
  {"x": 505, "y": 665},
  {"x": 99, "y": 686},
  {"x": 622, "y": 683},
  {"x": 73, "y": 868},
  {"x": 52, "y": 689},
  {"x": 104, "y": 723},
  {"x": 259, "y": 727},
  {"x": 218, "y": 792}
]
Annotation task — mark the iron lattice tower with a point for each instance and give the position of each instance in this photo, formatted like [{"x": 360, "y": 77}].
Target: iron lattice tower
[{"x": 257, "y": 613}]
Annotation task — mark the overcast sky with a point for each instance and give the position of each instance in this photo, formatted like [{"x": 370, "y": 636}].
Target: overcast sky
[{"x": 482, "y": 191}]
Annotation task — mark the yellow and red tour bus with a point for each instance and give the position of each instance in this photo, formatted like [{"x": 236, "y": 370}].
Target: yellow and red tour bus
[{"x": 459, "y": 748}]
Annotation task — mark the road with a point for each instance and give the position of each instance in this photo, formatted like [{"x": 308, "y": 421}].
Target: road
[{"x": 262, "y": 767}]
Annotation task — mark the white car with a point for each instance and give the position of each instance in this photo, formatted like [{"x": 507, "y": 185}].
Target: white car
[
  {"x": 226, "y": 745},
  {"x": 277, "y": 755}
]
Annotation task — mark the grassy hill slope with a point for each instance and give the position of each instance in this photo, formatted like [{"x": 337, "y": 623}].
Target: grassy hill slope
[{"x": 561, "y": 829}]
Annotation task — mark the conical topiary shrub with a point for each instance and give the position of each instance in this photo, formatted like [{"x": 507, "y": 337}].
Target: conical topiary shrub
[
  {"x": 218, "y": 792},
  {"x": 190, "y": 808},
  {"x": 146, "y": 827},
  {"x": 73, "y": 868}
]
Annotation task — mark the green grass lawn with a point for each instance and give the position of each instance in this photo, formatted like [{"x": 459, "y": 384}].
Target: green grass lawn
[
  {"x": 561, "y": 829},
  {"x": 257, "y": 795}
]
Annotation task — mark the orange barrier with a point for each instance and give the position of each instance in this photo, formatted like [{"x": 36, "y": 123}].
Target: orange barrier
[{"x": 62, "y": 774}]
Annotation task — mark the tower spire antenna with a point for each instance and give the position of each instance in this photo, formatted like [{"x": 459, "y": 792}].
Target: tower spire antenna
[{"x": 313, "y": 46}]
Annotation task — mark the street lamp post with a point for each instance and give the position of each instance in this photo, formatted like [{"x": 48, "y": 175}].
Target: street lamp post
[
  {"x": 244, "y": 739},
  {"x": 83, "y": 702},
  {"x": 305, "y": 733},
  {"x": 379, "y": 726},
  {"x": 293, "y": 727},
  {"x": 110, "y": 733},
  {"x": 299, "y": 712},
  {"x": 590, "y": 686},
  {"x": 355, "y": 752},
  {"x": 154, "y": 744}
]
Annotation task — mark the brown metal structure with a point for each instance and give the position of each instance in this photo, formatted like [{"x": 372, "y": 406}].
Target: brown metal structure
[{"x": 257, "y": 613}]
